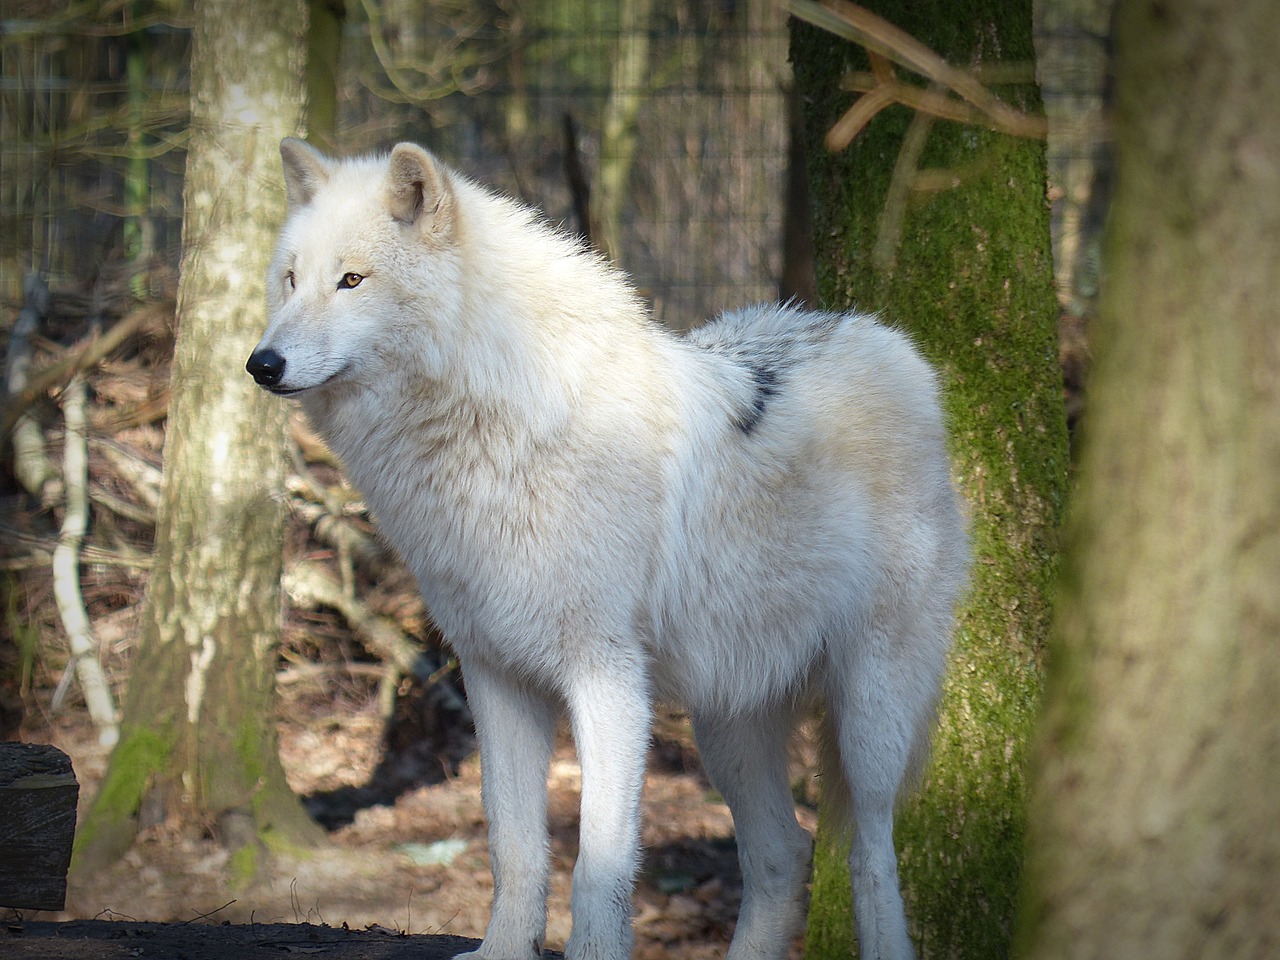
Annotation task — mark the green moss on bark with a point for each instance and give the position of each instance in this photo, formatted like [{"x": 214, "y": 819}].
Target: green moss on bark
[
  {"x": 971, "y": 280},
  {"x": 110, "y": 828}
]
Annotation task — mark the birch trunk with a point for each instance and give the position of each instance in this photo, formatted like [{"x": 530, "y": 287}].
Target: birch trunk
[{"x": 197, "y": 739}]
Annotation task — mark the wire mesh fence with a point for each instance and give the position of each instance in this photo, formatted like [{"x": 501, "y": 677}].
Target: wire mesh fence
[{"x": 657, "y": 128}]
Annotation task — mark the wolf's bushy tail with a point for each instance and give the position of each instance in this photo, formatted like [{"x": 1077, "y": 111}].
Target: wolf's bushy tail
[{"x": 835, "y": 790}]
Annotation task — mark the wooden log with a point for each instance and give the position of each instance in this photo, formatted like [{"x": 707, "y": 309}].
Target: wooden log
[{"x": 38, "y": 792}]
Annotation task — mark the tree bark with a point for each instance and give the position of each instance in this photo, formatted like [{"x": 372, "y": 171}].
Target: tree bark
[
  {"x": 1154, "y": 830},
  {"x": 197, "y": 739},
  {"x": 324, "y": 54},
  {"x": 967, "y": 269},
  {"x": 618, "y": 125}
]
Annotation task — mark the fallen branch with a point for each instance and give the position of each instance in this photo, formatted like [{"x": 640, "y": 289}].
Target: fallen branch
[
  {"x": 66, "y": 570},
  {"x": 310, "y": 585},
  {"x": 142, "y": 477},
  {"x": 39, "y": 553},
  {"x": 78, "y": 359},
  {"x": 326, "y": 509},
  {"x": 31, "y": 463},
  {"x": 338, "y": 532},
  {"x": 299, "y": 672},
  {"x": 122, "y": 508},
  {"x": 311, "y": 448}
]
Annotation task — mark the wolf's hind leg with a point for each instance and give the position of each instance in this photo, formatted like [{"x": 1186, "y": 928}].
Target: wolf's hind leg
[
  {"x": 877, "y": 705},
  {"x": 746, "y": 758},
  {"x": 515, "y": 728},
  {"x": 610, "y": 714}
]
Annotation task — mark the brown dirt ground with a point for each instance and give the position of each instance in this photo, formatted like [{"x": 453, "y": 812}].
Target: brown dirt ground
[{"x": 370, "y": 876}]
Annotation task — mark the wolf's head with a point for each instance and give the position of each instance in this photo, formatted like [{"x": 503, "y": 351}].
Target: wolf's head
[{"x": 366, "y": 265}]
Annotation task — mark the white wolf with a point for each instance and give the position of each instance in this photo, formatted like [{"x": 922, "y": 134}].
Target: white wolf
[{"x": 751, "y": 521}]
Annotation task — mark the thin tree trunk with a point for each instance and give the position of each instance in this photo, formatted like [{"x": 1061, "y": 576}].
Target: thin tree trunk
[
  {"x": 324, "y": 53},
  {"x": 1155, "y": 821},
  {"x": 138, "y": 228},
  {"x": 197, "y": 739},
  {"x": 618, "y": 126},
  {"x": 968, "y": 271}
]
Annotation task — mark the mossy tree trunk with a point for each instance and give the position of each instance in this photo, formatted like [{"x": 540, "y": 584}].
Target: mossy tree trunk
[
  {"x": 967, "y": 269},
  {"x": 197, "y": 740},
  {"x": 324, "y": 54},
  {"x": 1154, "y": 824}
]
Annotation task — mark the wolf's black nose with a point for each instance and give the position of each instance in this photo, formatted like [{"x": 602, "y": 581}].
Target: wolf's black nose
[{"x": 266, "y": 367}]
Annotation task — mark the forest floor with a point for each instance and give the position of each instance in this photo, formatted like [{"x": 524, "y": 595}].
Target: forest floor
[{"x": 415, "y": 865}]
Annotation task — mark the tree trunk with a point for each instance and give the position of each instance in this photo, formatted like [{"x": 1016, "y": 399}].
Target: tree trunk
[
  {"x": 138, "y": 228},
  {"x": 324, "y": 54},
  {"x": 618, "y": 125},
  {"x": 967, "y": 269},
  {"x": 1154, "y": 826},
  {"x": 197, "y": 738}
]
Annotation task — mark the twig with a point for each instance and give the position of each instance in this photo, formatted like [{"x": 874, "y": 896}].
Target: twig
[
  {"x": 889, "y": 233},
  {"x": 453, "y": 57},
  {"x": 206, "y": 916},
  {"x": 142, "y": 477},
  {"x": 337, "y": 532},
  {"x": 309, "y": 671},
  {"x": 66, "y": 568},
  {"x": 843, "y": 132},
  {"x": 122, "y": 508},
  {"x": 920, "y": 100},
  {"x": 310, "y": 585},
  {"x": 326, "y": 510},
  {"x": 39, "y": 553}
]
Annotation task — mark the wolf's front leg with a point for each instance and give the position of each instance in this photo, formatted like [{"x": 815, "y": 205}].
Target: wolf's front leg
[
  {"x": 515, "y": 727},
  {"x": 610, "y": 716}
]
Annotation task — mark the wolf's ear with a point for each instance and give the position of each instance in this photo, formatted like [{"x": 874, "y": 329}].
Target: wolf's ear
[
  {"x": 417, "y": 188},
  {"x": 306, "y": 170}
]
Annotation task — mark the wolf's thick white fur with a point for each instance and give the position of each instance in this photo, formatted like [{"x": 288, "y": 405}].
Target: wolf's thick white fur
[{"x": 750, "y": 521}]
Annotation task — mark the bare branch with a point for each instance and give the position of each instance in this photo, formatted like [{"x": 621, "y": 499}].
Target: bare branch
[
  {"x": 445, "y": 73},
  {"x": 310, "y": 585},
  {"x": 144, "y": 479},
  {"x": 884, "y": 43},
  {"x": 66, "y": 569},
  {"x": 889, "y": 233}
]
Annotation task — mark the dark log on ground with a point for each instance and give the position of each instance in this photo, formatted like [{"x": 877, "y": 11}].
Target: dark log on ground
[
  {"x": 38, "y": 791},
  {"x": 126, "y": 940}
]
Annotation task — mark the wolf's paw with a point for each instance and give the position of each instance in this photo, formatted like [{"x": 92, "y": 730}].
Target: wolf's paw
[{"x": 533, "y": 953}]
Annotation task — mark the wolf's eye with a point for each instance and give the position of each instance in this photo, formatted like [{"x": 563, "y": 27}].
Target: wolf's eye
[
  {"x": 349, "y": 281},
  {"x": 291, "y": 280}
]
